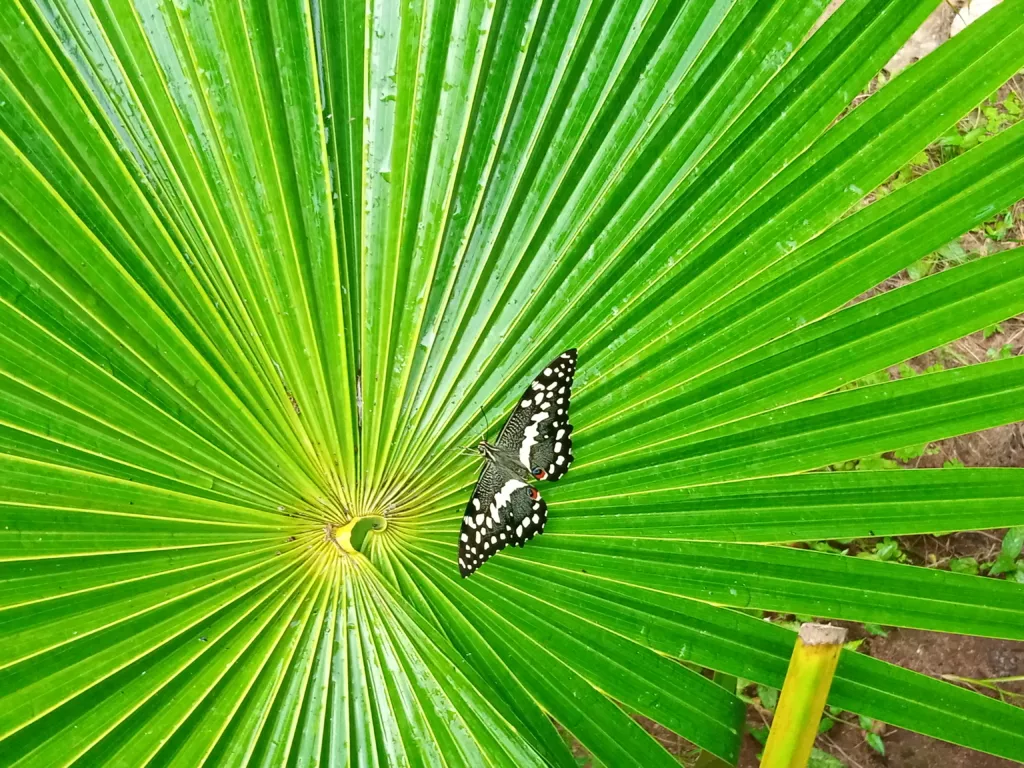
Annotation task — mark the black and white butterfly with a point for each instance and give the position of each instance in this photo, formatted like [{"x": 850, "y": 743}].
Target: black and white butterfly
[{"x": 536, "y": 443}]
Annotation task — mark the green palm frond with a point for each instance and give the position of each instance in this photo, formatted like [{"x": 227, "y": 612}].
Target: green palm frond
[{"x": 266, "y": 266}]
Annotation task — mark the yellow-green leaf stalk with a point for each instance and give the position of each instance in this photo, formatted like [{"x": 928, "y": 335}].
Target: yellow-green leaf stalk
[
  {"x": 811, "y": 668},
  {"x": 349, "y": 537}
]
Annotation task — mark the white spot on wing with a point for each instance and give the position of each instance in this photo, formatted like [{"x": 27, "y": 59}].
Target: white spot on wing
[
  {"x": 504, "y": 496},
  {"x": 530, "y": 438},
  {"x": 559, "y": 436}
]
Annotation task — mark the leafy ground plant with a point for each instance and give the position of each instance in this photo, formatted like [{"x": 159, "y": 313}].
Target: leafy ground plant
[{"x": 264, "y": 267}]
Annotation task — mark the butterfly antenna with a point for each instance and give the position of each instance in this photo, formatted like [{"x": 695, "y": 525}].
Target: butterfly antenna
[
  {"x": 472, "y": 450},
  {"x": 487, "y": 425}
]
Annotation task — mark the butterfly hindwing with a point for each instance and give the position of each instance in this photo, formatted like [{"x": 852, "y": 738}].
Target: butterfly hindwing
[
  {"x": 538, "y": 431},
  {"x": 503, "y": 510}
]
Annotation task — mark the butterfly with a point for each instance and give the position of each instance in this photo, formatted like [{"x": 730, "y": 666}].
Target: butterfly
[{"x": 535, "y": 443}]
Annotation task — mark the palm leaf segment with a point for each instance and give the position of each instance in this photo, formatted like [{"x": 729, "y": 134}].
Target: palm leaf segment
[{"x": 263, "y": 265}]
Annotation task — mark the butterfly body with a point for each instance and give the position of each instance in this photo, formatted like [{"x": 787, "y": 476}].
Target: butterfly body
[
  {"x": 535, "y": 443},
  {"x": 505, "y": 458}
]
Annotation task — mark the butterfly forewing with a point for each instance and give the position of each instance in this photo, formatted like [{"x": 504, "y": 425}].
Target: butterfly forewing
[
  {"x": 538, "y": 431},
  {"x": 503, "y": 510}
]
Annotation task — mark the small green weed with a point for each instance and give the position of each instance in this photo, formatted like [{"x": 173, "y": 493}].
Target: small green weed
[
  {"x": 950, "y": 255},
  {"x": 986, "y": 122},
  {"x": 1004, "y": 352},
  {"x": 1008, "y": 562},
  {"x": 968, "y": 565},
  {"x": 876, "y": 630},
  {"x": 871, "y": 735},
  {"x": 886, "y": 550}
]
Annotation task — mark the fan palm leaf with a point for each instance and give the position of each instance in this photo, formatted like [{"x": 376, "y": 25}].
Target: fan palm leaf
[{"x": 265, "y": 266}]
